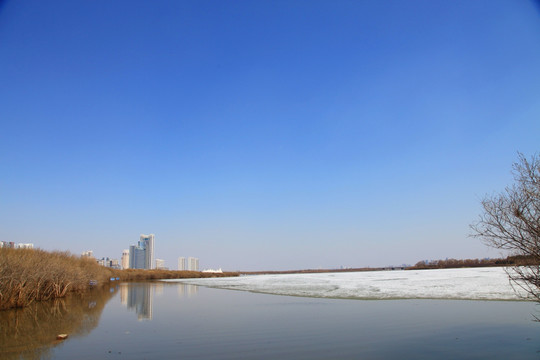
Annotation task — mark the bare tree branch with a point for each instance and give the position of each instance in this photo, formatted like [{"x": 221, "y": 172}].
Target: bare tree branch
[{"x": 511, "y": 221}]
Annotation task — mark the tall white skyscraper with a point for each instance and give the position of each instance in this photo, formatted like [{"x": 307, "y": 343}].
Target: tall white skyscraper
[
  {"x": 193, "y": 264},
  {"x": 149, "y": 261},
  {"x": 142, "y": 255},
  {"x": 182, "y": 263},
  {"x": 125, "y": 259}
]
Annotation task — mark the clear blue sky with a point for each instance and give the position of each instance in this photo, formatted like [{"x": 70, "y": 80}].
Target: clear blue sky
[{"x": 263, "y": 134}]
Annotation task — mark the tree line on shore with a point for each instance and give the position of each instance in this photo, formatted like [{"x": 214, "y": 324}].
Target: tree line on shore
[{"x": 517, "y": 260}]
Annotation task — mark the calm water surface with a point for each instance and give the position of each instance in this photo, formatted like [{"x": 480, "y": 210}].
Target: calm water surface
[{"x": 179, "y": 321}]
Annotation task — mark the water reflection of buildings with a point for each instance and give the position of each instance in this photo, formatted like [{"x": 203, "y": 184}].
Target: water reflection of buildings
[
  {"x": 138, "y": 297},
  {"x": 159, "y": 288},
  {"x": 124, "y": 293},
  {"x": 187, "y": 290}
]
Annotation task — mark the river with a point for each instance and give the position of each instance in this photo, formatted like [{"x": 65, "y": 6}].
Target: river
[{"x": 168, "y": 320}]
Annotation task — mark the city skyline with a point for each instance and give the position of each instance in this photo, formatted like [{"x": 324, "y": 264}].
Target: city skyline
[
  {"x": 13, "y": 245},
  {"x": 263, "y": 135},
  {"x": 140, "y": 256}
]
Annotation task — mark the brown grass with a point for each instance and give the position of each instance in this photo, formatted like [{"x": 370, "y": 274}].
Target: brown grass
[
  {"x": 139, "y": 274},
  {"x": 28, "y": 275}
]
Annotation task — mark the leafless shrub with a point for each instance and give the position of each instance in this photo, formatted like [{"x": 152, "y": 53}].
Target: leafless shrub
[{"x": 27, "y": 275}]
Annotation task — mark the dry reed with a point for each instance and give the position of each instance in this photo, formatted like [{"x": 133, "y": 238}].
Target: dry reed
[
  {"x": 140, "y": 274},
  {"x": 27, "y": 275}
]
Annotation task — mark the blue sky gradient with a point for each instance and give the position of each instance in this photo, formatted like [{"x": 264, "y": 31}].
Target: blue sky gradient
[{"x": 263, "y": 134}]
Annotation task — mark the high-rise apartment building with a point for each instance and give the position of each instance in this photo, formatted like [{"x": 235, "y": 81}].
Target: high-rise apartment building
[
  {"x": 136, "y": 257},
  {"x": 142, "y": 255},
  {"x": 149, "y": 260},
  {"x": 182, "y": 263},
  {"x": 193, "y": 264},
  {"x": 125, "y": 259}
]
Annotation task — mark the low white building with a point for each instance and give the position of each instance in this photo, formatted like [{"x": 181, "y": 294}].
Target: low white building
[
  {"x": 24, "y": 246},
  {"x": 160, "y": 264}
]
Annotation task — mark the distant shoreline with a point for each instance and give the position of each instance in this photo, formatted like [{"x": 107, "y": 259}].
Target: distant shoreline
[
  {"x": 421, "y": 265},
  {"x": 311, "y": 271},
  {"x": 390, "y": 268}
]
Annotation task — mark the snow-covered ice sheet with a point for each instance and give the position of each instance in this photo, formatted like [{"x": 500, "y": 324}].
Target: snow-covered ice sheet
[{"x": 474, "y": 284}]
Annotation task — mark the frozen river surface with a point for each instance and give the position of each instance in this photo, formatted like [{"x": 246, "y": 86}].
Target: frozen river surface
[{"x": 470, "y": 284}]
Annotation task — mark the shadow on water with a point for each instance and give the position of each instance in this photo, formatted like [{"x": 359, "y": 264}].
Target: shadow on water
[{"x": 30, "y": 332}]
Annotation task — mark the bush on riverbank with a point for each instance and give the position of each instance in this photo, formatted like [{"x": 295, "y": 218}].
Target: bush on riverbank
[{"x": 27, "y": 275}]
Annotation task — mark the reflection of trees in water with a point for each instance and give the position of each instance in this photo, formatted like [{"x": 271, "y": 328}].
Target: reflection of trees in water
[{"x": 30, "y": 332}]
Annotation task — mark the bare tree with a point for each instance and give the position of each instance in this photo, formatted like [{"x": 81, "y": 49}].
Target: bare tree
[{"x": 511, "y": 221}]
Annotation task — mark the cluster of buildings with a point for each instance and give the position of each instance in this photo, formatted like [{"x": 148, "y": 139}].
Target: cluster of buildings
[
  {"x": 141, "y": 256},
  {"x": 112, "y": 263},
  {"x": 12, "y": 245}
]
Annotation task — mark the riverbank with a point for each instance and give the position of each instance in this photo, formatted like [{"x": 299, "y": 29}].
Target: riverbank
[
  {"x": 141, "y": 275},
  {"x": 28, "y": 275}
]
